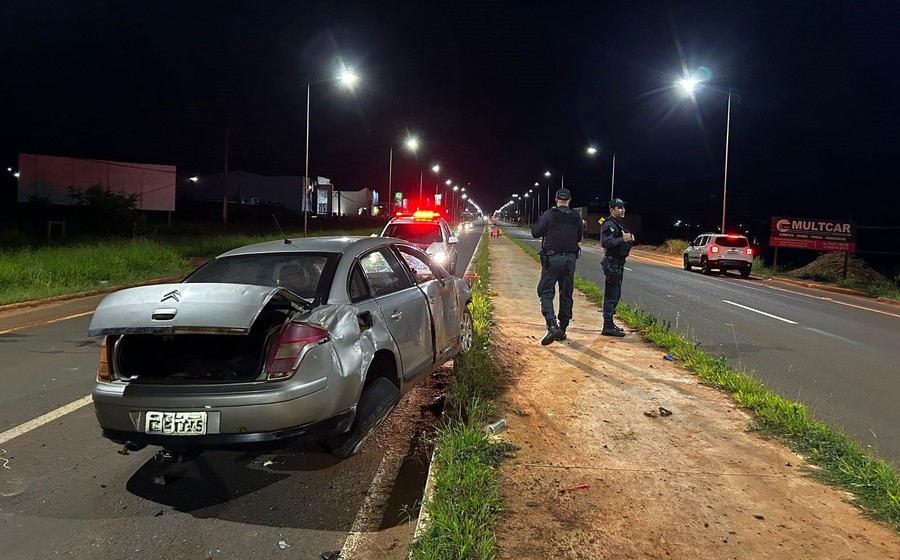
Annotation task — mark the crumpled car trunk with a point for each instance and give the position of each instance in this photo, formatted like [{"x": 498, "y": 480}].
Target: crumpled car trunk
[{"x": 209, "y": 333}]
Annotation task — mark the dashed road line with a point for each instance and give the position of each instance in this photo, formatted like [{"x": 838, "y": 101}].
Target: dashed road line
[
  {"x": 760, "y": 312},
  {"x": 41, "y": 420}
]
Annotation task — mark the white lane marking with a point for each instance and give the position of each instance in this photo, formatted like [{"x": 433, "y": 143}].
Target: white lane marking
[
  {"x": 46, "y": 322},
  {"x": 41, "y": 420},
  {"x": 379, "y": 492},
  {"x": 829, "y": 299},
  {"x": 760, "y": 312},
  {"x": 839, "y": 337}
]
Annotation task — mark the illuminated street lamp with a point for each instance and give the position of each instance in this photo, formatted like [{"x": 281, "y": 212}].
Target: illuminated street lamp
[
  {"x": 592, "y": 151},
  {"x": 547, "y": 175},
  {"x": 412, "y": 144},
  {"x": 435, "y": 168},
  {"x": 348, "y": 78},
  {"x": 688, "y": 85}
]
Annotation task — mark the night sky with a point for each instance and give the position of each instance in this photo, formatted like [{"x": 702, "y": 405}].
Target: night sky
[{"x": 497, "y": 92}]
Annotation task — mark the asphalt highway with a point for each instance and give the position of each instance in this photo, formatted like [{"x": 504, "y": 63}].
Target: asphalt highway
[{"x": 837, "y": 353}]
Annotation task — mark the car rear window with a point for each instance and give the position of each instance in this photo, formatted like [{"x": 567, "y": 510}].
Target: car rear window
[
  {"x": 300, "y": 273},
  {"x": 415, "y": 233},
  {"x": 731, "y": 241}
]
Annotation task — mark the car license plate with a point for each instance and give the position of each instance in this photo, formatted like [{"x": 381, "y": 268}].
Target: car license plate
[{"x": 175, "y": 423}]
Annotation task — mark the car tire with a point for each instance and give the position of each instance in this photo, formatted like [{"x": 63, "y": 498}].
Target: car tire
[
  {"x": 466, "y": 332},
  {"x": 687, "y": 263},
  {"x": 375, "y": 404},
  {"x": 745, "y": 272},
  {"x": 704, "y": 266}
]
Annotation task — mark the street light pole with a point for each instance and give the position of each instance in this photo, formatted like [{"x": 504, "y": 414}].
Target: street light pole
[
  {"x": 688, "y": 84},
  {"x": 306, "y": 166},
  {"x": 348, "y": 77},
  {"x": 725, "y": 181},
  {"x": 612, "y": 188},
  {"x": 390, "y": 172}
]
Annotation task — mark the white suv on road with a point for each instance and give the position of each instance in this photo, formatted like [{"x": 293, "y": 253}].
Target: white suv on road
[{"x": 721, "y": 252}]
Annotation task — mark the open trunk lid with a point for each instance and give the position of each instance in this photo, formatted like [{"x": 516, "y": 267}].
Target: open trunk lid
[{"x": 186, "y": 308}]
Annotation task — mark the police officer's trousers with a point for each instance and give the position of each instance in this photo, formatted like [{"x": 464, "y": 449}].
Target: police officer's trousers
[
  {"x": 614, "y": 270},
  {"x": 557, "y": 269}
]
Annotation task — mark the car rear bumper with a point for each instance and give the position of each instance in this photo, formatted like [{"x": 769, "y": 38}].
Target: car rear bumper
[
  {"x": 316, "y": 430},
  {"x": 735, "y": 263},
  {"x": 257, "y": 412}
]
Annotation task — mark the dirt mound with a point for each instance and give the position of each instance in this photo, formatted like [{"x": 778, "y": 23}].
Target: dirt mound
[{"x": 829, "y": 267}]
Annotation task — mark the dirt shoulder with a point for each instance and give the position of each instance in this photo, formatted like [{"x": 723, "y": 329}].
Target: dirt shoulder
[{"x": 693, "y": 484}]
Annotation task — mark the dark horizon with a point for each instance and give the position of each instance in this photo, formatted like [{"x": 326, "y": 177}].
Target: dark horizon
[{"x": 496, "y": 95}]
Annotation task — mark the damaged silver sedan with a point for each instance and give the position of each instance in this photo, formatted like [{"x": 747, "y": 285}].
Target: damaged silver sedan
[{"x": 313, "y": 337}]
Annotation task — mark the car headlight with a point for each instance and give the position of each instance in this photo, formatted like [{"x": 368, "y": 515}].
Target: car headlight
[{"x": 440, "y": 256}]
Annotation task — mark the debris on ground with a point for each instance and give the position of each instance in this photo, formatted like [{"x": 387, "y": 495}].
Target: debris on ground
[{"x": 829, "y": 267}]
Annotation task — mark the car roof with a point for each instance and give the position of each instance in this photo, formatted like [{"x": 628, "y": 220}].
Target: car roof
[
  {"x": 722, "y": 234},
  {"x": 335, "y": 244}
]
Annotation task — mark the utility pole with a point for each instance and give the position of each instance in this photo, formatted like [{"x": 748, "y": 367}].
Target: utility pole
[{"x": 225, "y": 187}]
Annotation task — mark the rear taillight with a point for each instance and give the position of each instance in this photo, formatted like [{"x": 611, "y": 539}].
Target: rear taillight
[
  {"x": 749, "y": 252},
  {"x": 104, "y": 369},
  {"x": 714, "y": 249},
  {"x": 293, "y": 339}
]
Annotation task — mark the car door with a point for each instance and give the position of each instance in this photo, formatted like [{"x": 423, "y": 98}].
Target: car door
[
  {"x": 694, "y": 250},
  {"x": 405, "y": 309},
  {"x": 439, "y": 288}
]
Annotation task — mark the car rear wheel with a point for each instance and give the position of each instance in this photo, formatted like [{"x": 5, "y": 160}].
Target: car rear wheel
[
  {"x": 745, "y": 272},
  {"x": 704, "y": 266},
  {"x": 375, "y": 404},
  {"x": 687, "y": 263}
]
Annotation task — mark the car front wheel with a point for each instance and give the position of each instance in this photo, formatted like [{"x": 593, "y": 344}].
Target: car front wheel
[
  {"x": 687, "y": 263},
  {"x": 466, "y": 332},
  {"x": 375, "y": 404}
]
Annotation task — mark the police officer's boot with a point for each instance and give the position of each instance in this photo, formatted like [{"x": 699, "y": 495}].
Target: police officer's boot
[
  {"x": 552, "y": 334},
  {"x": 610, "y": 329},
  {"x": 561, "y": 334}
]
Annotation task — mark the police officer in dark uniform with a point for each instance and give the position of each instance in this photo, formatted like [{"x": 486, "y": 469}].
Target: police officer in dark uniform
[
  {"x": 561, "y": 229},
  {"x": 617, "y": 241}
]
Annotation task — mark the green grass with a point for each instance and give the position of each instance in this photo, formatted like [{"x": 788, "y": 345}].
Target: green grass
[
  {"x": 28, "y": 274},
  {"x": 465, "y": 502},
  {"x": 840, "y": 461}
]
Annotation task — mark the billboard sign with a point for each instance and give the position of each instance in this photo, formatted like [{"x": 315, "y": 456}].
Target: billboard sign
[
  {"x": 818, "y": 235},
  {"x": 54, "y": 179}
]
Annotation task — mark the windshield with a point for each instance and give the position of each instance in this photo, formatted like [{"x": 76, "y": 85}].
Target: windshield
[{"x": 422, "y": 234}]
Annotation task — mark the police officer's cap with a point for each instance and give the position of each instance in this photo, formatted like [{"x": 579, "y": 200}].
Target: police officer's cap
[
  {"x": 563, "y": 194},
  {"x": 617, "y": 203}
]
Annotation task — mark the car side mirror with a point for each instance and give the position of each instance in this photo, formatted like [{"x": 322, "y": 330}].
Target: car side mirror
[{"x": 452, "y": 239}]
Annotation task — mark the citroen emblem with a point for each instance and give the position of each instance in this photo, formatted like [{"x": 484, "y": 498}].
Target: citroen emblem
[{"x": 174, "y": 294}]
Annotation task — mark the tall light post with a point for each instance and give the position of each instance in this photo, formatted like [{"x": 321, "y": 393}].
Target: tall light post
[
  {"x": 412, "y": 144},
  {"x": 547, "y": 175},
  {"x": 688, "y": 86},
  {"x": 435, "y": 168},
  {"x": 526, "y": 196},
  {"x": 592, "y": 151},
  {"x": 348, "y": 78}
]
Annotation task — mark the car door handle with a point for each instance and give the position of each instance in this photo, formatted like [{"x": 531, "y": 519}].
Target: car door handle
[{"x": 395, "y": 316}]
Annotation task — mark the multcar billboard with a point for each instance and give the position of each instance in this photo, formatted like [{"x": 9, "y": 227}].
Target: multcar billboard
[{"x": 818, "y": 235}]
